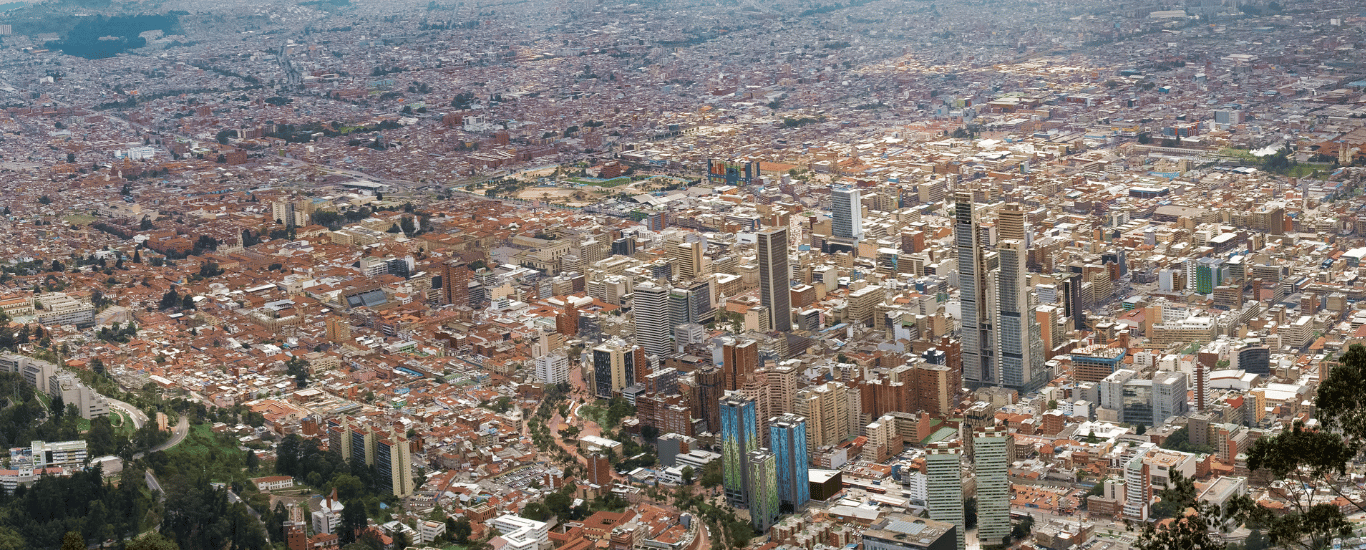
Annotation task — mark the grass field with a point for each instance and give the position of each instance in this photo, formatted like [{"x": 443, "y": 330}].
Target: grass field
[
  {"x": 80, "y": 219},
  {"x": 123, "y": 426},
  {"x": 219, "y": 456},
  {"x": 605, "y": 183}
]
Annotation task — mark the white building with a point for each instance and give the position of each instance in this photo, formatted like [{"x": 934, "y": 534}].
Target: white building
[
  {"x": 328, "y": 517},
  {"x": 521, "y": 533},
  {"x": 60, "y": 309},
  {"x": 552, "y": 368},
  {"x": 428, "y": 531}
]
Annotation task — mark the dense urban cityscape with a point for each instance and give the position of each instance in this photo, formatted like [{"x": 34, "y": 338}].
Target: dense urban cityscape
[{"x": 683, "y": 275}]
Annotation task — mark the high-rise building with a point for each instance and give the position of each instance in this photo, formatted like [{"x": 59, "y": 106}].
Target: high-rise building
[
  {"x": 829, "y": 419},
  {"x": 1010, "y": 223},
  {"x": 711, "y": 386},
  {"x": 739, "y": 437},
  {"x": 1021, "y": 348},
  {"x": 781, "y": 383},
  {"x": 978, "y": 359},
  {"x": 339, "y": 437},
  {"x": 599, "y": 470},
  {"x": 1138, "y": 489},
  {"x": 394, "y": 464},
  {"x": 650, "y": 309},
  {"x": 338, "y": 329},
  {"x": 552, "y": 368},
  {"x": 1071, "y": 298},
  {"x": 787, "y": 438},
  {"x": 615, "y": 366},
  {"x": 775, "y": 291},
  {"x": 739, "y": 360},
  {"x": 846, "y": 213},
  {"x": 945, "y": 490},
  {"x": 455, "y": 282},
  {"x": 289, "y": 213},
  {"x": 688, "y": 260},
  {"x": 993, "y": 487},
  {"x": 762, "y": 489}
]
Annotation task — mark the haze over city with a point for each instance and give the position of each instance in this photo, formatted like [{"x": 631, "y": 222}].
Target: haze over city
[{"x": 682, "y": 275}]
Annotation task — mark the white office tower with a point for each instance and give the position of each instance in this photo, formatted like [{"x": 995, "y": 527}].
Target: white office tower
[
  {"x": 946, "y": 487},
  {"x": 650, "y": 309}
]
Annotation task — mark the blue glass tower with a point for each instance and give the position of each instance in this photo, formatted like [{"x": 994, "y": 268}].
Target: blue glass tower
[
  {"x": 787, "y": 437},
  {"x": 739, "y": 437}
]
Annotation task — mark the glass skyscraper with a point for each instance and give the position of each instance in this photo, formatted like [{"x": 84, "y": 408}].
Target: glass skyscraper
[
  {"x": 739, "y": 437},
  {"x": 787, "y": 437},
  {"x": 846, "y": 213}
]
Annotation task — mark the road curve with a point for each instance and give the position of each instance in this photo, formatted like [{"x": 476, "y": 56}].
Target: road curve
[
  {"x": 139, "y": 417},
  {"x": 181, "y": 430}
]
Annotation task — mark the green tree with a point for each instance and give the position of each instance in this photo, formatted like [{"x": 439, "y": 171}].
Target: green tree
[
  {"x": 1196, "y": 522},
  {"x": 153, "y": 541},
  {"x": 11, "y": 540},
  {"x": 687, "y": 475},
  {"x": 72, "y": 540},
  {"x": 353, "y": 519},
  {"x": 1304, "y": 457},
  {"x": 459, "y": 530},
  {"x": 711, "y": 474}
]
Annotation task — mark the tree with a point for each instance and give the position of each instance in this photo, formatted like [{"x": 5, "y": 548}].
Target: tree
[
  {"x": 1174, "y": 500},
  {"x": 352, "y": 520},
  {"x": 459, "y": 530},
  {"x": 153, "y": 541},
  {"x": 687, "y": 475},
  {"x": 44, "y": 200},
  {"x": 252, "y": 461},
  {"x": 58, "y": 406},
  {"x": 711, "y": 474},
  {"x": 72, "y": 541},
  {"x": 1194, "y": 520},
  {"x": 169, "y": 300},
  {"x": 1310, "y": 457}
]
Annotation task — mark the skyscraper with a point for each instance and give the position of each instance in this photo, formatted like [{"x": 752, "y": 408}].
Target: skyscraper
[
  {"x": 739, "y": 437},
  {"x": 774, "y": 286},
  {"x": 1021, "y": 360},
  {"x": 1010, "y": 223},
  {"x": 978, "y": 360},
  {"x": 739, "y": 360},
  {"x": 846, "y": 213},
  {"x": 763, "y": 489},
  {"x": 455, "y": 282},
  {"x": 688, "y": 259},
  {"x": 829, "y": 417},
  {"x": 945, "y": 489},
  {"x": 394, "y": 464},
  {"x": 616, "y": 366},
  {"x": 787, "y": 438},
  {"x": 993, "y": 487},
  {"x": 650, "y": 309}
]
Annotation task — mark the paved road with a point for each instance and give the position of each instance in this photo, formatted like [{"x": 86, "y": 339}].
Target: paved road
[
  {"x": 232, "y": 497},
  {"x": 153, "y": 484},
  {"x": 139, "y": 418},
  {"x": 181, "y": 430}
]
